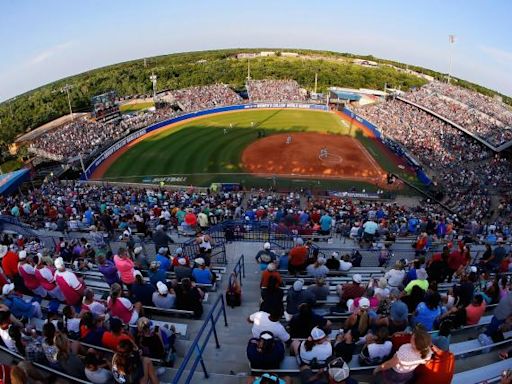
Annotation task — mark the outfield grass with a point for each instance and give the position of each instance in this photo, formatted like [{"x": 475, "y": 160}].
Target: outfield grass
[
  {"x": 200, "y": 150},
  {"x": 135, "y": 107}
]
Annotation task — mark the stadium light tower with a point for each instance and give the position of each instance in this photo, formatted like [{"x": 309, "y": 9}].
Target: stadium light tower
[
  {"x": 451, "y": 40},
  {"x": 153, "y": 80},
  {"x": 66, "y": 89}
]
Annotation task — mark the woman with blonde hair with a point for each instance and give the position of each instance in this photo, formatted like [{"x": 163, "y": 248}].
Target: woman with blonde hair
[
  {"x": 128, "y": 367},
  {"x": 68, "y": 361},
  {"x": 359, "y": 321},
  {"x": 400, "y": 368}
]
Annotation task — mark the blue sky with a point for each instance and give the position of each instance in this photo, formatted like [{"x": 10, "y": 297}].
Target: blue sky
[{"x": 44, "y": 40}]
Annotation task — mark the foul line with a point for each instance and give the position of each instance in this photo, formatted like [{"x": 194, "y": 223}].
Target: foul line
[{"x": 368, "y": 156}]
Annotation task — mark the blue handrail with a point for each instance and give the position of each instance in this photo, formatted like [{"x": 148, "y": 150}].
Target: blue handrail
[
  {"x": 239, "y": 269},
  {"x": 218, "y": 309}
]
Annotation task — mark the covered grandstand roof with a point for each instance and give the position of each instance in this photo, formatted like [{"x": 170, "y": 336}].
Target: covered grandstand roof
[
  {"x": 10, "y": 181},
  {"x": 346, "y": 95}
]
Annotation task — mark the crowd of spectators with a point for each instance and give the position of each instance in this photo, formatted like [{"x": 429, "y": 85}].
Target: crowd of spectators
[
  {"x": 275, "y": 90},
  {"x": 401, "y": 322},
  {"x": 464, "y": 167},
  {"x": 482, "y": 115},
  {"x": 77, "y": 206},
  {"x": 76, "y": 321},
  {"x": 205, "y": 97},
  {"x": 84, "y": 136}
]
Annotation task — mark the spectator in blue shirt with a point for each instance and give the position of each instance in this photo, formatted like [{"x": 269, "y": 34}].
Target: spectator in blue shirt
[
  {"x": 156, "y": 273},
  {"x": 201, "y": 274},
  {"x": 325, "y": 224},
  {"x": 19, "y": 307},
  {"x": 163, "y": 259},
  {"x": 304, "y": 218}
]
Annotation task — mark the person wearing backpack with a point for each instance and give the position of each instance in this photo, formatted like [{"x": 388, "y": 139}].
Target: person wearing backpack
[
  {"x": 265, "y": 352},
  {"x": 265, "y": 256}
]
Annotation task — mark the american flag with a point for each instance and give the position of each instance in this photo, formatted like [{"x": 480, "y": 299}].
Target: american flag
[{"x": 451, "y": 39}]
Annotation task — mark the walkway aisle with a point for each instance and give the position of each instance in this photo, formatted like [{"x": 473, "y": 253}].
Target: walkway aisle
[{"x": 229, "y": 363}]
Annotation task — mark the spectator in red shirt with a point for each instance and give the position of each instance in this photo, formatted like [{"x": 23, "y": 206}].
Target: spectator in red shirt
[
  {"x": 475, "y": 310},
  {"x": 298, "y": 257},
  {"x": 352, "y": 290},
  {"x": 10, "y": 262},
  {"x": 267, "y": 273},
  {"x": 455, "y": 261}
]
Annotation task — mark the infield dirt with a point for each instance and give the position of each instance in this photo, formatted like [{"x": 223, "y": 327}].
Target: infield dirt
[{"x": 346, "y": 159}]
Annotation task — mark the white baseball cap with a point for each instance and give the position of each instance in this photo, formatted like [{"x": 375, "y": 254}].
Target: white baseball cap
[
  {"x": 317, "y": 334},
  {"x": 59, "y": 263},
  {"x": 199, "y": 261},
  {"x": 162, "y": 288},
  {"x": 22, "y": 255},
  {"x": 338, "y": 370},
  {"x": 364, "y": 303},
  {"x": 266, "y": 245},
  {"x": 357, "y": 278},
  {"x": 7, "y": 288},
  {"x": 182, "y": 261}
]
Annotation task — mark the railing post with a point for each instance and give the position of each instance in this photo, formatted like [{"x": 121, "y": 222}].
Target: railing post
[
  {"x": 203, "y": 365},
  {"x": 243, "y": 266},
  {"x": 217, "y": 344},
  {"x": 224, "y": 310}
]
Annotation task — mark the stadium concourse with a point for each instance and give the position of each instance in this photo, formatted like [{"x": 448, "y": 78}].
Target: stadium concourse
[{"x": 91, "y": 273}]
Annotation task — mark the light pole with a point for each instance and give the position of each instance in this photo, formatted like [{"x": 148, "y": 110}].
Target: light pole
[
  {"x": 153, "y": 80},
  {"x": 451, "y": 40},
  {"x": 66, "y": 89}
]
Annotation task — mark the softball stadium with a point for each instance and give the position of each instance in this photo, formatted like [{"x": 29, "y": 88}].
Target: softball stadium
[
  {"x": 262, "y": 147},
  {"x": 257, "y": 229}
]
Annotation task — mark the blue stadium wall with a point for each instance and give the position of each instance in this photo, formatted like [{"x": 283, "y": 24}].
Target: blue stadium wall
[
  {"x": 420, "y": 173},
  {"x": 141, "y": 132}
]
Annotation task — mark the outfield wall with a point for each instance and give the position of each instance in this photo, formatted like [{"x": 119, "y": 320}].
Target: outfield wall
[
  {"x": 141, "y": 132},
  {"x": 420, "y": 173}
]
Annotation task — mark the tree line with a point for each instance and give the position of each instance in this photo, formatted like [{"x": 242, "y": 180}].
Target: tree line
[{"x": 44, "y": 104}]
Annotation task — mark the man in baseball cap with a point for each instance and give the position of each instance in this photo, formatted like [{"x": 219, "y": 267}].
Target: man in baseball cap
[
  {"x": 265, "y": 256},
  {"x": 354, "y": 289}
]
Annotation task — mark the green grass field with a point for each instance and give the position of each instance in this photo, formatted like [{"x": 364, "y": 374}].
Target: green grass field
[
  {"x": 200, "y": 151},
  {"x": 135, "y": 107}
]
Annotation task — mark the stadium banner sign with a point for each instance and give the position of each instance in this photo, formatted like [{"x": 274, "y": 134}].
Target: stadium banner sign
[
  {"x": 141, "y": 132},
  {"x": 355, "y": 195},
  {"x": 167, "y": 179},
  {"x": 320, "y": 107}
]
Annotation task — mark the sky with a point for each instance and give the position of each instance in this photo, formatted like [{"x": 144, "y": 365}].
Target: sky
[{"x": 45, "y": 40}]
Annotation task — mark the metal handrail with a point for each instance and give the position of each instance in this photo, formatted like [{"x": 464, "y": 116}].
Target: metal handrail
[
  {"x": 218, "y": 309},
  {"x": 239, "y": 269}
]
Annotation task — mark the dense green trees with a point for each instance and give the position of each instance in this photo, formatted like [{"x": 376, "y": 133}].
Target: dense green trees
[{"x": 182, "y": 70}]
